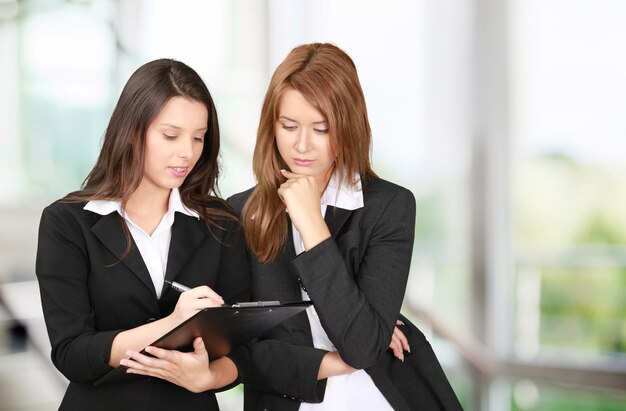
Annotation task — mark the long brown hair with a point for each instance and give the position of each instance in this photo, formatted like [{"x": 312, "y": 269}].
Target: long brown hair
[
  {"x": 326, "y": 76},
  {"x": 120, "y": 165}
]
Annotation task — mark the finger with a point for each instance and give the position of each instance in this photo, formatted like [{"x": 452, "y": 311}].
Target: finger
[
  {"x": 199, "y": 351},
  {"x": 202, "y": 303},
  {"x": 134, "y": 367},
  {"x": 141, "y": 368},
  {"x": 198, "y": 346},
  {"x": 166, "y": 355},
  {"x": 402, "y": 338},
  {"x": 130, "y": 363},
  {"x": 289, "y": 174},
  {"x": 282, "y": 194},
  {"x": 396, "y": 347},
  {"x": 145, "y": 360},
  {"x": 205, "y": 292}
]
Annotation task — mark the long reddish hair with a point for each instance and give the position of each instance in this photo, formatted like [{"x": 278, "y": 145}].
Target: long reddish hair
[{"x": 326, "y": 76}]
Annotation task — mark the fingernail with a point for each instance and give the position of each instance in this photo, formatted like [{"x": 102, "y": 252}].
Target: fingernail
[
  {"x": 408, "y": 350},
  {"x": 401, "y": 323},
  {"x": 402, "y": 357},
  {"x": 123, "y": 362}
]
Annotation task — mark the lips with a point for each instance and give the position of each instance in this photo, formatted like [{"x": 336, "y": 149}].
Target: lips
[
  {"x": 179, "y": 171},
  {"x": 302, "y": 162}
]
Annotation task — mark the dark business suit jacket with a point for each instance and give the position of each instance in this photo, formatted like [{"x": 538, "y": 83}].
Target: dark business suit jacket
[
  {"x": 89, "y": 296},
  {"x": 356, "y": 280}
]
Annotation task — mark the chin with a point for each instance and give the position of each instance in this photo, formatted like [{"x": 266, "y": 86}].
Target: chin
[{"x": 305, "y": 171}]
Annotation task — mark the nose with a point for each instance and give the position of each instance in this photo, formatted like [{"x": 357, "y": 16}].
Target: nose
[
  {"x": 303, "y": 141},
  {"x": 186, "y": 148}
]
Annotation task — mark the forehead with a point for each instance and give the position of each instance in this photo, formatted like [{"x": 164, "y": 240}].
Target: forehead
[
  {"x": 295, "y": 106},
  {"x": 184, "y": 113}
]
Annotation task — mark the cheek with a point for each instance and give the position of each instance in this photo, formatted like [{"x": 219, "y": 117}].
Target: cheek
[
  {"x": 330, "y": 155},
  {"x": 198, "y": 152},
  {"x": 281, "y": 142},
  {"x": 153, "y": 149}
]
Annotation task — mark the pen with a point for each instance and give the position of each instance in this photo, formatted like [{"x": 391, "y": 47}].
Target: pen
[
  {"x": 177, "y": 286},
  {"x": 182, "y": 288}
]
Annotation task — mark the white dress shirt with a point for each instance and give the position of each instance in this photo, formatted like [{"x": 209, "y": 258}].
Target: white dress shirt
[
  {"x": 349, "y": 391},
  {"x": 154, "y": 248}
]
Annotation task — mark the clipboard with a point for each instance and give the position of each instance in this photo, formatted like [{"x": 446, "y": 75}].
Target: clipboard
[{"x": 221, "y": 328}]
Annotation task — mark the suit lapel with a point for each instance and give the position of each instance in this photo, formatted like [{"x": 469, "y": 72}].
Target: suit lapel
[
  {"x": 287, "y": 254},
  {"x": 110, "y": 231},
  {"x": 187, "y": 234},
  {"x": 335, "y": 219}
]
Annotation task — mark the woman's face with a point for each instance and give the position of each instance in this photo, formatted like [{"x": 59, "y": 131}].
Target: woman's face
[
  {"x": 174, "y": 143},
  {"x": 303, "y": 139}
]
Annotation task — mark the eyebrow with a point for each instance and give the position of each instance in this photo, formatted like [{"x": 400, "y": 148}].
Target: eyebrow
[
  {"x": 315, "y": 122},
  {"x": 180, "y": 128}
]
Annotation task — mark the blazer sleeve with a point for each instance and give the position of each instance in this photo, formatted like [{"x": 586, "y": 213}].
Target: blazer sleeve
[
  {"x": 281, "y": 368},
  {"x": 359, "y": 312},
  {"x": 62, "y": 267}
]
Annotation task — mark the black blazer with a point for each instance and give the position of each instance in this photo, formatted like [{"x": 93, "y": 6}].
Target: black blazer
[
  {"x": 89, "y": 296},
  {"x": 357, "y": 280}
]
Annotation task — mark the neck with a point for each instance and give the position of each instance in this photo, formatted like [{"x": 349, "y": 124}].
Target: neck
[
  {"x": 322, "y": 181},
  {"x": 145, "y": 201}
]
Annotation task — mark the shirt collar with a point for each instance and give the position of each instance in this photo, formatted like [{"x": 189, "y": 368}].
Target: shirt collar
[
  {"x": 176, "y": 204},
  {"x": 346, "y": 196},
  {"x": 105, "y": 207}
]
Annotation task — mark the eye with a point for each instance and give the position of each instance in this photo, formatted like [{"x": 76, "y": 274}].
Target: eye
[
  {"x": 321, "y": 130},
  {"x": 288, "y": 127},
  {"x": 199, "y": 139},
  {"x": 170, "y": 136}
]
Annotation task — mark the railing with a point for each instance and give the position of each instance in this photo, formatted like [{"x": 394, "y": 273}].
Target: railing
[{"x": 571, "y": 367}]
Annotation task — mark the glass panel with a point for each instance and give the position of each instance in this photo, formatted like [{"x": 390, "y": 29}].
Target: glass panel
[
  {"x": 570, "y": 176},
  {"x": 67, "y": 57}
]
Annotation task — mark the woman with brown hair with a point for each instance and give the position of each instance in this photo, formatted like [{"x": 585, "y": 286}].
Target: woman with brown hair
[
  {"x": 321, "y": 225},
  {"x": 146, "y": 213}
]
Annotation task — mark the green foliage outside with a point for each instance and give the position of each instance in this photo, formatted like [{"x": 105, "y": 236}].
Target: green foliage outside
[{"x": 571, "y": 226}]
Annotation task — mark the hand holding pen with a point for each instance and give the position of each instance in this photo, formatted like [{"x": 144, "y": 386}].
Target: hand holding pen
[{"x": 193, "y": 300}]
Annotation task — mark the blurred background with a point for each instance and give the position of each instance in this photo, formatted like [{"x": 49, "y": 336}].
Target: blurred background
[{"x": 505, "y": 118}]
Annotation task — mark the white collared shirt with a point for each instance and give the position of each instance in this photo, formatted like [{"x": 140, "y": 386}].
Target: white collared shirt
[
  {"x": 350, "y": 391},
  {"x": 154, "y": 248}
]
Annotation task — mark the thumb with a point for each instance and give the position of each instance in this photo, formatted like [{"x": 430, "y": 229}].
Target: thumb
[{"x": 198, "y": 346}]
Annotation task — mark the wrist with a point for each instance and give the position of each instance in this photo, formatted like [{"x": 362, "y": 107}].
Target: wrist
[
  {"x": 206, "y": 381},
  {"x": 172, "y": 320},
  {"x": 221, "y": 372},
  {"x": 314, "y": 234},
  {"x": 332, "y": 365}
]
